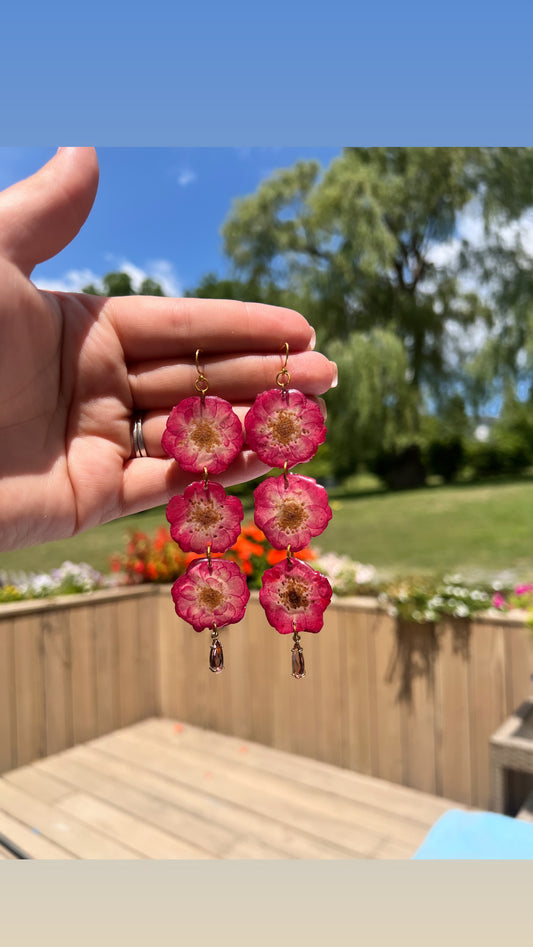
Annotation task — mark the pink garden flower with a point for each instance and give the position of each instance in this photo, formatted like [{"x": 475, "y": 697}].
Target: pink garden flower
[
  {"x": 498, "y": 600},
  {"x": 203, "y": 435},
  {"x": 523, "y": 589},
  {"x": 294, "y": 597},
  {"x": 205, "y": 515},
  {"x": 291, "y": 511},
  {"x": 284, "y": 426},
  {"x": 208, "y": 595}
]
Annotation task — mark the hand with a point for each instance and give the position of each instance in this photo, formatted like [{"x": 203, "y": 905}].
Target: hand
[{"x": 75, "y": 368}]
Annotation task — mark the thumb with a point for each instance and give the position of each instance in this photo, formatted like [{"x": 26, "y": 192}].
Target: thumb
[{"x": 42, "y": 214}]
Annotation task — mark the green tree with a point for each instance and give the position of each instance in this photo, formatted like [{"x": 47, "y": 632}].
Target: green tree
[
  {"x": 374, "y": 408},
  {"x": 212, "y": 286},
  {"x": 358, "y": 240},
  {"x": 119, "y": 284}
]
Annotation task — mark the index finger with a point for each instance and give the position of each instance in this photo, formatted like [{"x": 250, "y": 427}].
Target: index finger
[{"x": 152, "y": 327}]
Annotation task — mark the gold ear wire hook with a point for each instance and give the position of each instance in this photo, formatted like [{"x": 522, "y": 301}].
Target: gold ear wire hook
[
  {"x": 283, "y": 378},
  {"x": 201, "y": 384}
]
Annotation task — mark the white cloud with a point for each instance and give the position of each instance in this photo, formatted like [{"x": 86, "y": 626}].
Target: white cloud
[
  {"x": 162, "y": 271},
  {"x": 471, "y": 227},
  {"x": 135, "y": 273},
  {"x": 73, "y": 281},
  {"x": 186, "y": 177}
]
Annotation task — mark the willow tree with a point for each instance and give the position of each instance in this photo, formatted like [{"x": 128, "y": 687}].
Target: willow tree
[
  {"x": 374, "y": 408},
  {"x": 361, "y": 241}
]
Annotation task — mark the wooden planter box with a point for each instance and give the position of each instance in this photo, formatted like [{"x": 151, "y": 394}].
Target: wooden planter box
[{"x": 412, "y": 704}]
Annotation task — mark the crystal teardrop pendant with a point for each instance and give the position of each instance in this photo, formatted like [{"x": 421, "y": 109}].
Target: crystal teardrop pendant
[
  {"x": 216, "y": 655},
  {"x": 298, "y": 664}
]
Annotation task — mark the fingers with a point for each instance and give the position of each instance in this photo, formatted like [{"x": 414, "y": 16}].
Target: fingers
[
  {"x": 238, "y": 379},
  {"x": 159, "y": 328},
  {"x": 154, "y": 422},
  {"x": 42, "y": 214},
  {"x": 151, "y": 482}
]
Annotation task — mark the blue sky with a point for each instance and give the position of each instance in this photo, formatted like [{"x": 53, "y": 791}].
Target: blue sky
[{"x": 158, "y": 211}]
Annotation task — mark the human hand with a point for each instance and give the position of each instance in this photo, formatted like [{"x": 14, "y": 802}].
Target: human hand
[{"x": 74, "y": 369}]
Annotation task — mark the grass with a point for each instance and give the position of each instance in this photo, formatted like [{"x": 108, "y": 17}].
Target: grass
[{"x": 474, "y": 529}]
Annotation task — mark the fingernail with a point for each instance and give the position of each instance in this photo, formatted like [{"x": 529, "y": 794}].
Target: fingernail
[
  {"x": 313, "y": 341},
  {"x": 335, "y": 381}
]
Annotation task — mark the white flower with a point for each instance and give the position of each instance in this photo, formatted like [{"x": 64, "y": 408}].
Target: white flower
[
  {"x": 42, "y": 584},
  {"x": 478, "y": 596},
  {"x": 462, "y": 611},
  {"x": 365, "y": 574}
]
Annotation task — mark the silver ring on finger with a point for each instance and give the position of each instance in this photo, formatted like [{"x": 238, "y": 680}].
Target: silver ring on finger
[{"x": 137, "y": 439}]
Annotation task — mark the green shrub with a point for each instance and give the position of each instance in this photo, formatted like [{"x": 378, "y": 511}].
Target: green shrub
[{"x": 445, "y": 458}]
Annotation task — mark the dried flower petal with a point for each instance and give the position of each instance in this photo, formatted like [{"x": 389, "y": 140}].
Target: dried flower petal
[
  {"x": 205, "y": 515},
  {"x": 208, "y": 595},
  {"x": 294, "y": 597},
  {"x": 290, "y": 511},
  {"x": 203, "y": 435},
  {"x": 284, "y": 426}
]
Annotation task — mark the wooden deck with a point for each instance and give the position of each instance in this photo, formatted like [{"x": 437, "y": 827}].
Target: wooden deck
[{"x": 161, "y": 789}]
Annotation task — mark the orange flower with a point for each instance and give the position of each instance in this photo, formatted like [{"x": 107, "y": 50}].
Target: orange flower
[
  {"x": 305, "y": 554},
  {"x": 162, "y": 537},
  {"x": 254, "y": 532},
  {"x": 190, "y": 556},
  {"x": 245, "y": 549},
  {"x": 151, "y": 571},
  {"x": 275, "y": 555}
]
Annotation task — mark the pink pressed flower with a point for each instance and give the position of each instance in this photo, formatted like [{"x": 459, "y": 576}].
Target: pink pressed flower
[
  {"x": 284, "y": 426},
  {"x": 294, "y": 597},
  {"x": 203, "y": 435},
  {"x": 498, "y": 600},
  {"x": 211, "y": 595},
  {"x": 291, "y": 511},
  {"x": 205, "y": 515}
]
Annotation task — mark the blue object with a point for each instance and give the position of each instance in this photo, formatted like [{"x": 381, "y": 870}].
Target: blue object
[{"x": 460, "y": 834}]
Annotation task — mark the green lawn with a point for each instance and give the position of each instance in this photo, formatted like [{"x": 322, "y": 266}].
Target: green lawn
[{"x": 474, "y": 529}]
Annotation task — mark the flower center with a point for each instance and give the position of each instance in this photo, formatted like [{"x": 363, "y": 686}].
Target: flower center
[
  {"x": 205, "y": 435},
  {"x": 291, "y": 515},
  {"x": 205, "y": 515},
  {"x": 210, "y": 597},
  {"x": 285, "y": 427},
  {"x": 294, "y": 595}
]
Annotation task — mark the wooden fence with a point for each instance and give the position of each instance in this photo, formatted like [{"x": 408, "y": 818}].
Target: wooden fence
[{"x": 412, "y": 704}]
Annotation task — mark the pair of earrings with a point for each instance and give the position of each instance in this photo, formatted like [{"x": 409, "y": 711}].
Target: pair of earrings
[{"x": 204, "y": 435}]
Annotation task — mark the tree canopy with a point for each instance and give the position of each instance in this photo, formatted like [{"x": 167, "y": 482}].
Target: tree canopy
[
  {"x": 363, "y": 241},
  {"x": 120, "y": 284}
]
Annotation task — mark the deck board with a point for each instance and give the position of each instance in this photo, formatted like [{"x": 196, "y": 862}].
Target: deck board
[{"x": 160, "y": 789}]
